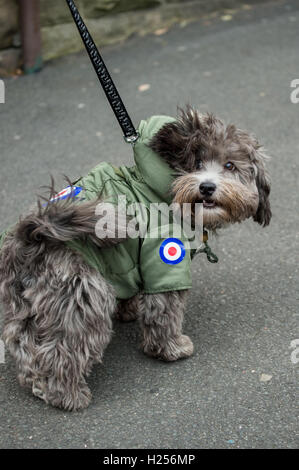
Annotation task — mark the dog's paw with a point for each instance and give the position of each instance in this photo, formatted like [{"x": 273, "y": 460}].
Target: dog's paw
[
  {"x": 175, "y": 348},
  {"x": 77, "y": 400}
]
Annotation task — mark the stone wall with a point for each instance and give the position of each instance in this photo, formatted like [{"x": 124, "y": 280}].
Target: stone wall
[
  {"x": 109, "y": 21},
  {"x": 9, "y": 42},
  {"x": 8, "y": 22}
]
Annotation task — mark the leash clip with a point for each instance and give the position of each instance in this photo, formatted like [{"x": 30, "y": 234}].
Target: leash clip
[
  {"x": 205, "y": 248},
  {"x": 132, "y": 139},
  {"x": 210, "y": 255}
]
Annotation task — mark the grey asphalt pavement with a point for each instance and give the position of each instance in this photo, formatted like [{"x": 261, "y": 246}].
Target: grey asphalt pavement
[{"x": 239, "y": 388}]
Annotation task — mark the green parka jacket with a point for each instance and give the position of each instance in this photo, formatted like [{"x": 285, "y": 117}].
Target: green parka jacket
[{"x": 136, "y": 264}]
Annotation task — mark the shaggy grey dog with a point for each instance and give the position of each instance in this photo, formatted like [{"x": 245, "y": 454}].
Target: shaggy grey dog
[{"x": 59, "y": 310}]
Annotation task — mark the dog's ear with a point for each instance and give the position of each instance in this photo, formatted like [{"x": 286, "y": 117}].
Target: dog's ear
[
  {"x": 169, "y": 143},
  {"x": 175, "y": 141},
  {"x": 263, "y": 214}
]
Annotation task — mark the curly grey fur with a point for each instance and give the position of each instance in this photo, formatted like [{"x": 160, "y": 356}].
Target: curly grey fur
[
  {"x": 57, "y": 322},
  {"x": 64, "y": 220},
  {"x": 58, "y": 310},
  {"x": 161, "y": 319},
  {"x": 128, "y": 310},
  {"x": 196, "y": 138}
]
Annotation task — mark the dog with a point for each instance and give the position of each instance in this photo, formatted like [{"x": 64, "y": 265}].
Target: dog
[{"x": 59, "y": 307}]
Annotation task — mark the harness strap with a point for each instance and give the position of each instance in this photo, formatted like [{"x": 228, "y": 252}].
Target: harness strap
[
  {"x": 205, "y": 248},
  {"x": 116, "y": 103},
  {"x": 210, "y": 255}
]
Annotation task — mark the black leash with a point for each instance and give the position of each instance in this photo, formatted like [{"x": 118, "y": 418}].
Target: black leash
[{"x": 116, "y": 103}]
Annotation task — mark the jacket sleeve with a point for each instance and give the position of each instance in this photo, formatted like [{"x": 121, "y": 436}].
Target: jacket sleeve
[{"x": 159, "y": 276}]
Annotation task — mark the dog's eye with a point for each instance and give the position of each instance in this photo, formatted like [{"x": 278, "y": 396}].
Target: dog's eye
[
  {"x": 229, "y": 166},
  {"x": 199, "y": 164}
]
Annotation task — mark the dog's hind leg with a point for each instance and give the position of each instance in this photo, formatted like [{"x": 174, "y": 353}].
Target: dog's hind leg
[
  {"x": 161, "y": 319},
  {"x": 76, "y": 326},
  {"x": 63, "y": 329},
  {"x": 18, "y": 331}
]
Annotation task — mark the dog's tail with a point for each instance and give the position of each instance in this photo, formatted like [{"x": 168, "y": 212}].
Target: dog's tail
[{"x": 57, "y": 221}]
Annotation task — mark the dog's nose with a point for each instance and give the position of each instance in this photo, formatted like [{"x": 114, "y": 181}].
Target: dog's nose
[{"x": 207, "y": 188}]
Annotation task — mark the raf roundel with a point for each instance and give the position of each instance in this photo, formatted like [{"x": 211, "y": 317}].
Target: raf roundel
[
  {"x": 67, "y": 192},
  {"x": 172, "y": 251}
]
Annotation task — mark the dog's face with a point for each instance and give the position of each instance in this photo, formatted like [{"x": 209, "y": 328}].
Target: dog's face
[{"x": 220, "y": 166}]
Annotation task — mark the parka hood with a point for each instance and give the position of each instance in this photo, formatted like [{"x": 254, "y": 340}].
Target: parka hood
[{"x": 154, "y": 170}]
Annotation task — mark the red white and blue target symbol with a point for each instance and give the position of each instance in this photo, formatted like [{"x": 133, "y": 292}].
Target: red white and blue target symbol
[
  {"x": 172, "y": 251},
  {"x": 70, "y": 191}
]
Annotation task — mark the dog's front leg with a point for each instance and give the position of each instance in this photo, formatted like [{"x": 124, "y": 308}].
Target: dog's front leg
[{"x": 161, "y": 319}]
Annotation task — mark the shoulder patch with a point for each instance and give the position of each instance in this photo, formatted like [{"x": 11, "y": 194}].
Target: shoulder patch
[{"x": 172, "y": 251}]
